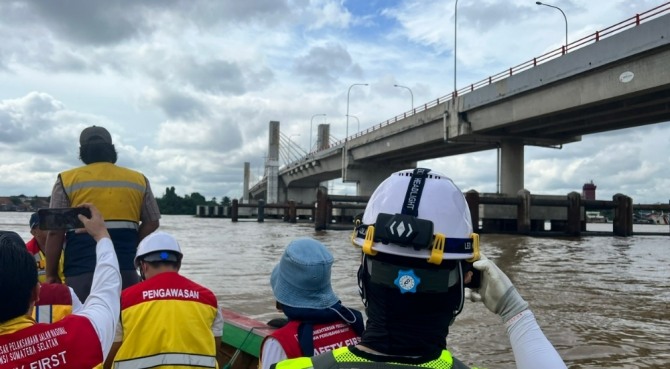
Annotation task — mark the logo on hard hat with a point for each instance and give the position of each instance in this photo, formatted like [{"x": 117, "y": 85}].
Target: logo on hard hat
[{"x": 407, "y": 281}]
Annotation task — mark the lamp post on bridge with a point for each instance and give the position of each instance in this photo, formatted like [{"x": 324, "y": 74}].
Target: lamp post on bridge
[
  {"x": 358, "y": 123},
  {"x": 311, "y": 121},
  {"x": 455, "y": 48},
  {"x": 564, "y": 18},
  {"x": 346, "y": 137},
  {"x": 410, "y": 93}
]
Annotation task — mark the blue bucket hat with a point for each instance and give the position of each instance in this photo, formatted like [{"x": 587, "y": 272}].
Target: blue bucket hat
[{"x": 302, "y": 277}]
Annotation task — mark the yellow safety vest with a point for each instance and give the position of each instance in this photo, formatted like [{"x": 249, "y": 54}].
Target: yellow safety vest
[
  {"x": 167, "y": 323},
  {"x": 116, "y": 191},
  {"x": 343, "y": 358}
]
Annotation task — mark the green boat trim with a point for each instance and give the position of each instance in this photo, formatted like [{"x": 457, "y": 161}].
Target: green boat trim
[{"x": 241, "y": 340}]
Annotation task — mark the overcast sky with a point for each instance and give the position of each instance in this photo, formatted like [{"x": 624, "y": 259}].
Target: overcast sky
[{"x": 187, "y": 87}]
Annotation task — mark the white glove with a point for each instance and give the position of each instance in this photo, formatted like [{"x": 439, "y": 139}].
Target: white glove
[{"x": 497, "y": 292}]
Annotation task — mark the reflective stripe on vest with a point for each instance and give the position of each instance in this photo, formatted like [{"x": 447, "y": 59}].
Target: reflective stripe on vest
[
  {"x": 160, "y": 360},
  {"x": 120, "y": 224},
  {"x": 118, "y": 184}
]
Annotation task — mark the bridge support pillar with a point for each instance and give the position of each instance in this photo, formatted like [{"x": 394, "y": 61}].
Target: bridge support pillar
[{"x": 511, "y": 166}]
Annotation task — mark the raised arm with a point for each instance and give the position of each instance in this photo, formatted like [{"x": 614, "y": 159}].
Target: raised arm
[
  {"x": 530, "y": 346},
  {"x": 102, "y": 307}
]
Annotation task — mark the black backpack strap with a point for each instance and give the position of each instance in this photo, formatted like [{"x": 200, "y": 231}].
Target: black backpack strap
[{"x": 306, "y": 338}]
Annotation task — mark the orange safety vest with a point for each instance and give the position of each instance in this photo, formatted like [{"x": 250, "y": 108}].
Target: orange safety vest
[{"x": 167, "y": 322}]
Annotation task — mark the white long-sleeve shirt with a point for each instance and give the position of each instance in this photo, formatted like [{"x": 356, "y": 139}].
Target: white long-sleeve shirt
[
  {"x": 103, "y": 305},
  {"x": 531, "y": 347}
]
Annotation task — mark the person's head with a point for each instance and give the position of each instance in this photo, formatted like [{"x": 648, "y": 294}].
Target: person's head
[
  {"x": 39, "y": 234},
  {"x": 301, "y": 279},
  {"x": 18, "y": 277},
  {"x": 418, "y": 246},
  {"x": 95, "y": 146},
  {"x": 157, "y": 253}
]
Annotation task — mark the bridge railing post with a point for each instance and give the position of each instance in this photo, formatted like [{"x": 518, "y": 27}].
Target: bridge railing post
[
  {"x": 234, "y": 210},
  {"x": 292, "y": 213},
  {"x": 523, "y": 212},
  {"x": 623, "y": 215},
  {"x": 574, "y": 226},
  {"x": 261, "y": 211},
  {"x": 321, "y": 216}
]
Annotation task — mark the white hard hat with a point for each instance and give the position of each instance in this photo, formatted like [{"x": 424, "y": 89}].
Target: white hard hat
[
  {"x": 158, "y": 246},
  {"x": 418, "y": 213}
]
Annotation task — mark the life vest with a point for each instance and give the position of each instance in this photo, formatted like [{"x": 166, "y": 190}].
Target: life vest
[
  {"x": 325, "y": 337},
  {"x": 41, "y": 261},
  {"x": 118, "y": 193},
  {"x": 70, "y": 343},
  {"x": 167, "y": 322},
  {"x": 344, "y": 358},
  {"x": 54, "y": 303}
]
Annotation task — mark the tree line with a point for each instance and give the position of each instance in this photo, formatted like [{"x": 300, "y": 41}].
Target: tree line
[{"x": 173, "y": 204}]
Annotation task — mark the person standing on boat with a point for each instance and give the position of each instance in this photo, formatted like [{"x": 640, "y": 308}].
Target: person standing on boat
[
  {"x": 418, "y": 254},
  {"x": 317, "y": 321},
  {"x": 37, "y": 247},
  {"x": 123, "y": 196},
  {"x": 80, "y": 340},
  {"x": 167, "y": 320}
]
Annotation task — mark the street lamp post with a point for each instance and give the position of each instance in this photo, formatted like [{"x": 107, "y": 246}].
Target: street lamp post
[
  {"x": 564, "y": 18},
  {"x": 358, "y": 123},
  {"x": 410, "y": 93},
  {"x": 346, "y": 136},
  {"x": 311, "y": 121},
  {"x": 455, "y": 48}
]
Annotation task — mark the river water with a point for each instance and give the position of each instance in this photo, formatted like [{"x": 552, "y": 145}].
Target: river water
[{"x": 604, "y": 302}]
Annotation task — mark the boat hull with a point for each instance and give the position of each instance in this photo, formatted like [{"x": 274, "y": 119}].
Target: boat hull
[{"x": 241, "y": 341}]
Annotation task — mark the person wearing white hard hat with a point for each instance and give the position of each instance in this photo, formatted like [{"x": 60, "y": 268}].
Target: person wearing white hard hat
[
  {"x": 419, "y": 253},
  {"x": 167, "y": 320}
]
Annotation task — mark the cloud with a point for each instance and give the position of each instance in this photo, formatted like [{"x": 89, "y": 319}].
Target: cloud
[{"x": 187, "y": 87}]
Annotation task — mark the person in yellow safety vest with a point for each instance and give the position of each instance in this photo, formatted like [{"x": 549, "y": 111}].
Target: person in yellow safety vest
[
  {"x": 167, "y": 320},
  {"x": 419, "y": 253},
  {"x": 80, "y": 340},
  {"x": 37, "y": 246},
  {"x": 125, "y": 200}
]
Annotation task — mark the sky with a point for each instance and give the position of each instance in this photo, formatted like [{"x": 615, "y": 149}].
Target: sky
[{"x": 187, "y": 88}]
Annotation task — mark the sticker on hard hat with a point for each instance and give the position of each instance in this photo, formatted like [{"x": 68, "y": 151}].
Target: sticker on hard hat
[{"x": 407, "y": 281}]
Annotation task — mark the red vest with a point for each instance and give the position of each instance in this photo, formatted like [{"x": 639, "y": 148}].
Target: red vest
[
  {"x": 69, "y": 343},
  {"x": 327, "y": 337}
]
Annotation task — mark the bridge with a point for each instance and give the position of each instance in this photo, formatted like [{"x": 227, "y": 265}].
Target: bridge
[{"x": 613, "y": 79}]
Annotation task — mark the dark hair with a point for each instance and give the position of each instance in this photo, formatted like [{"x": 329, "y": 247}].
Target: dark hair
[
  {"x": 18, "y": 276},
  {"x": 97, "y": 153}
]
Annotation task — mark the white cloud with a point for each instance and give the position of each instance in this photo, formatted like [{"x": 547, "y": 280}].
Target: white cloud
[{"x": 187, "y": 88}]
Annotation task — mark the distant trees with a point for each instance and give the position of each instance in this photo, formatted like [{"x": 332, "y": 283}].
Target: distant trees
[{"x": 171, "y": 203}]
